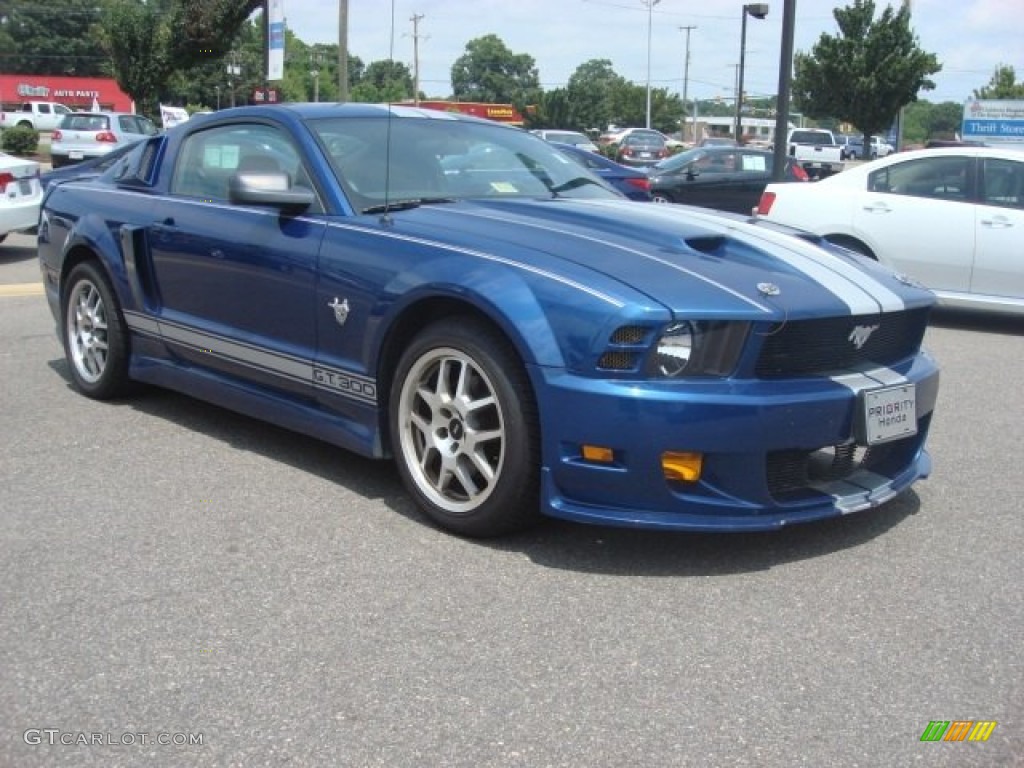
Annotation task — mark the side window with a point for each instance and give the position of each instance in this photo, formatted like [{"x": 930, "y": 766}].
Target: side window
[
  {"x": 1003, "y": 183},
  {"x": 941, "y": 178},
  {"x": 207, "y": 159},
  {"x": 754, "y": 164}
]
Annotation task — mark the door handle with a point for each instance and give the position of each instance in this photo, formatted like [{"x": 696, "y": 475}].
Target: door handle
[
  {"x": 878, "y": 208},
  {"x": 997, "y": 222}
]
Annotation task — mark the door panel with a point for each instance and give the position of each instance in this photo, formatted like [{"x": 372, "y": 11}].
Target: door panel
[{"x": 919, "y": 219}]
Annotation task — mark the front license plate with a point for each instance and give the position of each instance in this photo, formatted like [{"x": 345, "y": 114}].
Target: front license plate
[{"x": 889, "y": 414}]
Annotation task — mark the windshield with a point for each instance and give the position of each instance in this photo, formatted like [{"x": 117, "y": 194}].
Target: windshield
[
  {"x": 678, "y": 161},
  {"x": 381, "y": 161}
]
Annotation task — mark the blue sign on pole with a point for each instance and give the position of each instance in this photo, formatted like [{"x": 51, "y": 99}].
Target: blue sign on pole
[{"x": 993, "y": 122}]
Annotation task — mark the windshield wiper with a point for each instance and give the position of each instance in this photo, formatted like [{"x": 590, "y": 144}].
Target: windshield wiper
[
  {"x": 404, "y": 205},
  {"x": 579, "y": 181}
]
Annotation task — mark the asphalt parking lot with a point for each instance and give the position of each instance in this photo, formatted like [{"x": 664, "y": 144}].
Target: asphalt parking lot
[{"x": 170, "y": 571}]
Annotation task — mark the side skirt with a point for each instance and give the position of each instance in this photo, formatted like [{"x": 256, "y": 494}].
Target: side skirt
[{"x": 362, "y": 436}]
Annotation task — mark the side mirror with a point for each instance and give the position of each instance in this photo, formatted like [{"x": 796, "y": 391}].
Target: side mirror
[{"x": 270, "y": 188}]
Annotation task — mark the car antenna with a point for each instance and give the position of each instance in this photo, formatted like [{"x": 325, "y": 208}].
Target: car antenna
[{"x": 386, "y": 218}]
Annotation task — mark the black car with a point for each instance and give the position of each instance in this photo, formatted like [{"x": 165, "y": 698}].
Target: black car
[
  {"x": 725, "y": 178},
  {"x": 641, "y": 148}
]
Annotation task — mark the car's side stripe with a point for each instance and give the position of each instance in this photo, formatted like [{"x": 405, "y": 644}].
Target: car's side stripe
[{"x": 337, "y": 381}]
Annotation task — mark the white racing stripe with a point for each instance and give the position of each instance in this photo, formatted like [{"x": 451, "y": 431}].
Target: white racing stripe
[
  {"x": 859, "y": 290},
  {"x": 866, "y": 377},
  {"x": 635, "y": 251},
  {"x": 862, "y": 293}
]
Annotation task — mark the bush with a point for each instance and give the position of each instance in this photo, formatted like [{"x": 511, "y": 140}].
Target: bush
[{"x": 20, "y": 141}]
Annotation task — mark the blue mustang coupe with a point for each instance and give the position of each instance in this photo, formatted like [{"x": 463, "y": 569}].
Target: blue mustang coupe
[{"x": 460, "y": 296}]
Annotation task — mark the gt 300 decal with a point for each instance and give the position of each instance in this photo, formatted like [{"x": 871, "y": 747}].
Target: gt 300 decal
[{"x": 346, "y": 385}]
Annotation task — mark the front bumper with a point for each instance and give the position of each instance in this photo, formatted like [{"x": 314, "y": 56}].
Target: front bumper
[{"x": 756, "y": 436}]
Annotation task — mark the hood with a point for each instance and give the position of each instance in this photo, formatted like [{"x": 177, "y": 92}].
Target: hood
[{"x": 692, "y": 261}]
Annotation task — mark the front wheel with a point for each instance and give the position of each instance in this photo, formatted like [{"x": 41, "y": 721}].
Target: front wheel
[
  {"x": 95, "y": 335},
  {"x": 464, "y": 429}
]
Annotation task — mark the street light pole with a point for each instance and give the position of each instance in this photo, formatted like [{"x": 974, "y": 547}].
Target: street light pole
[
  {"x": 650, "y": 11},
  {"x": 758, "y": 11},
  {"x": 314, "y": 70},
  {"x": 686, "y": 82}
]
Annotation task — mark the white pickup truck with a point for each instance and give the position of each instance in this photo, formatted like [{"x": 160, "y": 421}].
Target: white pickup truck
[
  {"x": 816, "y": 150},
  {"x": 40, "y": 115}
]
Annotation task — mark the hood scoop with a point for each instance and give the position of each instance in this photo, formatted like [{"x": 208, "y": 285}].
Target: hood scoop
[{"x": 712, "y": 245}]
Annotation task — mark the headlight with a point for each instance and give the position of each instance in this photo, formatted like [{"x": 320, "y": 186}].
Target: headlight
[
  {"x": 698, "y": 348},
  {"x": 673, "y": 350}
]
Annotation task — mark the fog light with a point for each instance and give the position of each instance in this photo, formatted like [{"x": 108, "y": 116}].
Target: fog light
[
  {"x": 682, "y": 466},
  {"x": 598, "y": 453}
]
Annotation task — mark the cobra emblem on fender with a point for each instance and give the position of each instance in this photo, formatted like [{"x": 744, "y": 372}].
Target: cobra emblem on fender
[{"x": 340, "y": 310}]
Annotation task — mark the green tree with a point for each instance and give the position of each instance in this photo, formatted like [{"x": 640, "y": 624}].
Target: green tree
[
  {"x": 149, "y": 41},
  {"x": 553, "y": 111},
  {"x": 383, "y": 81},
  {"x": 488, "y": 71},
  {"x": 58, "y": 37},
  {"x": 591, "y": 93},
  {"x": 865, "y": 74},
  {"x": 138, "y": 40},
  {"x": 1003, "y": 85}
]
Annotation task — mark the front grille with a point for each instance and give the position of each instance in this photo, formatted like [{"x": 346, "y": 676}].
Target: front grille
[
  {"x": 820, "y": 346},
  {"x": 790, "y": 471},
  {"x": 791, "y": 475}
]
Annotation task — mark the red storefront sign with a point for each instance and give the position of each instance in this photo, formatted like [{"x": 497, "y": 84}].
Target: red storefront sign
[
  {"x": 75, "y": 92},
  {"x": 502, "y": 113}
]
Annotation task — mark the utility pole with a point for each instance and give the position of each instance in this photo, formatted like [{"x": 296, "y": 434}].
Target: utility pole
[
  {"x": 686, "y": 83},
  {"x": 342, "y": 50},
  {"x": 650, "y": 10},
  {"x": 416, "y": 57}
]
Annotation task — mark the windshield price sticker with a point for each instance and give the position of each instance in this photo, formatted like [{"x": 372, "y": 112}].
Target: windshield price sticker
[{"x": 890, "y": 414}]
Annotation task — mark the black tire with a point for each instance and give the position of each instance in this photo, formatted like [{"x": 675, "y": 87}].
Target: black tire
[
  {"x": 95, "y": 334},
  {"x": 464, "y": 429}
]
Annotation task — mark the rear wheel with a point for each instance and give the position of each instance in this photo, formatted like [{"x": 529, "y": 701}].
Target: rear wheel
[
  {"x": 95, "y": 335},
  {"x": 464, "y": 429}
]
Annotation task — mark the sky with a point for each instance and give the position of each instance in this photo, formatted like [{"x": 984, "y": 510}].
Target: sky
[{"x": 969, "y": 37}]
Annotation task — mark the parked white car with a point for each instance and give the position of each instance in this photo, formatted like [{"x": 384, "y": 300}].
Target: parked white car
[
  {"x": 880, "y": 148},
  {"x": 20, "y": 194},
  {"x": 616, "y": 136},
  {"x": 575, "y": 138},
  {"x": 952, "y": 219}
]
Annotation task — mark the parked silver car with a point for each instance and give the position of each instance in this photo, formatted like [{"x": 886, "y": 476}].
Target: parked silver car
[{"x": 84, "y": 135}]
